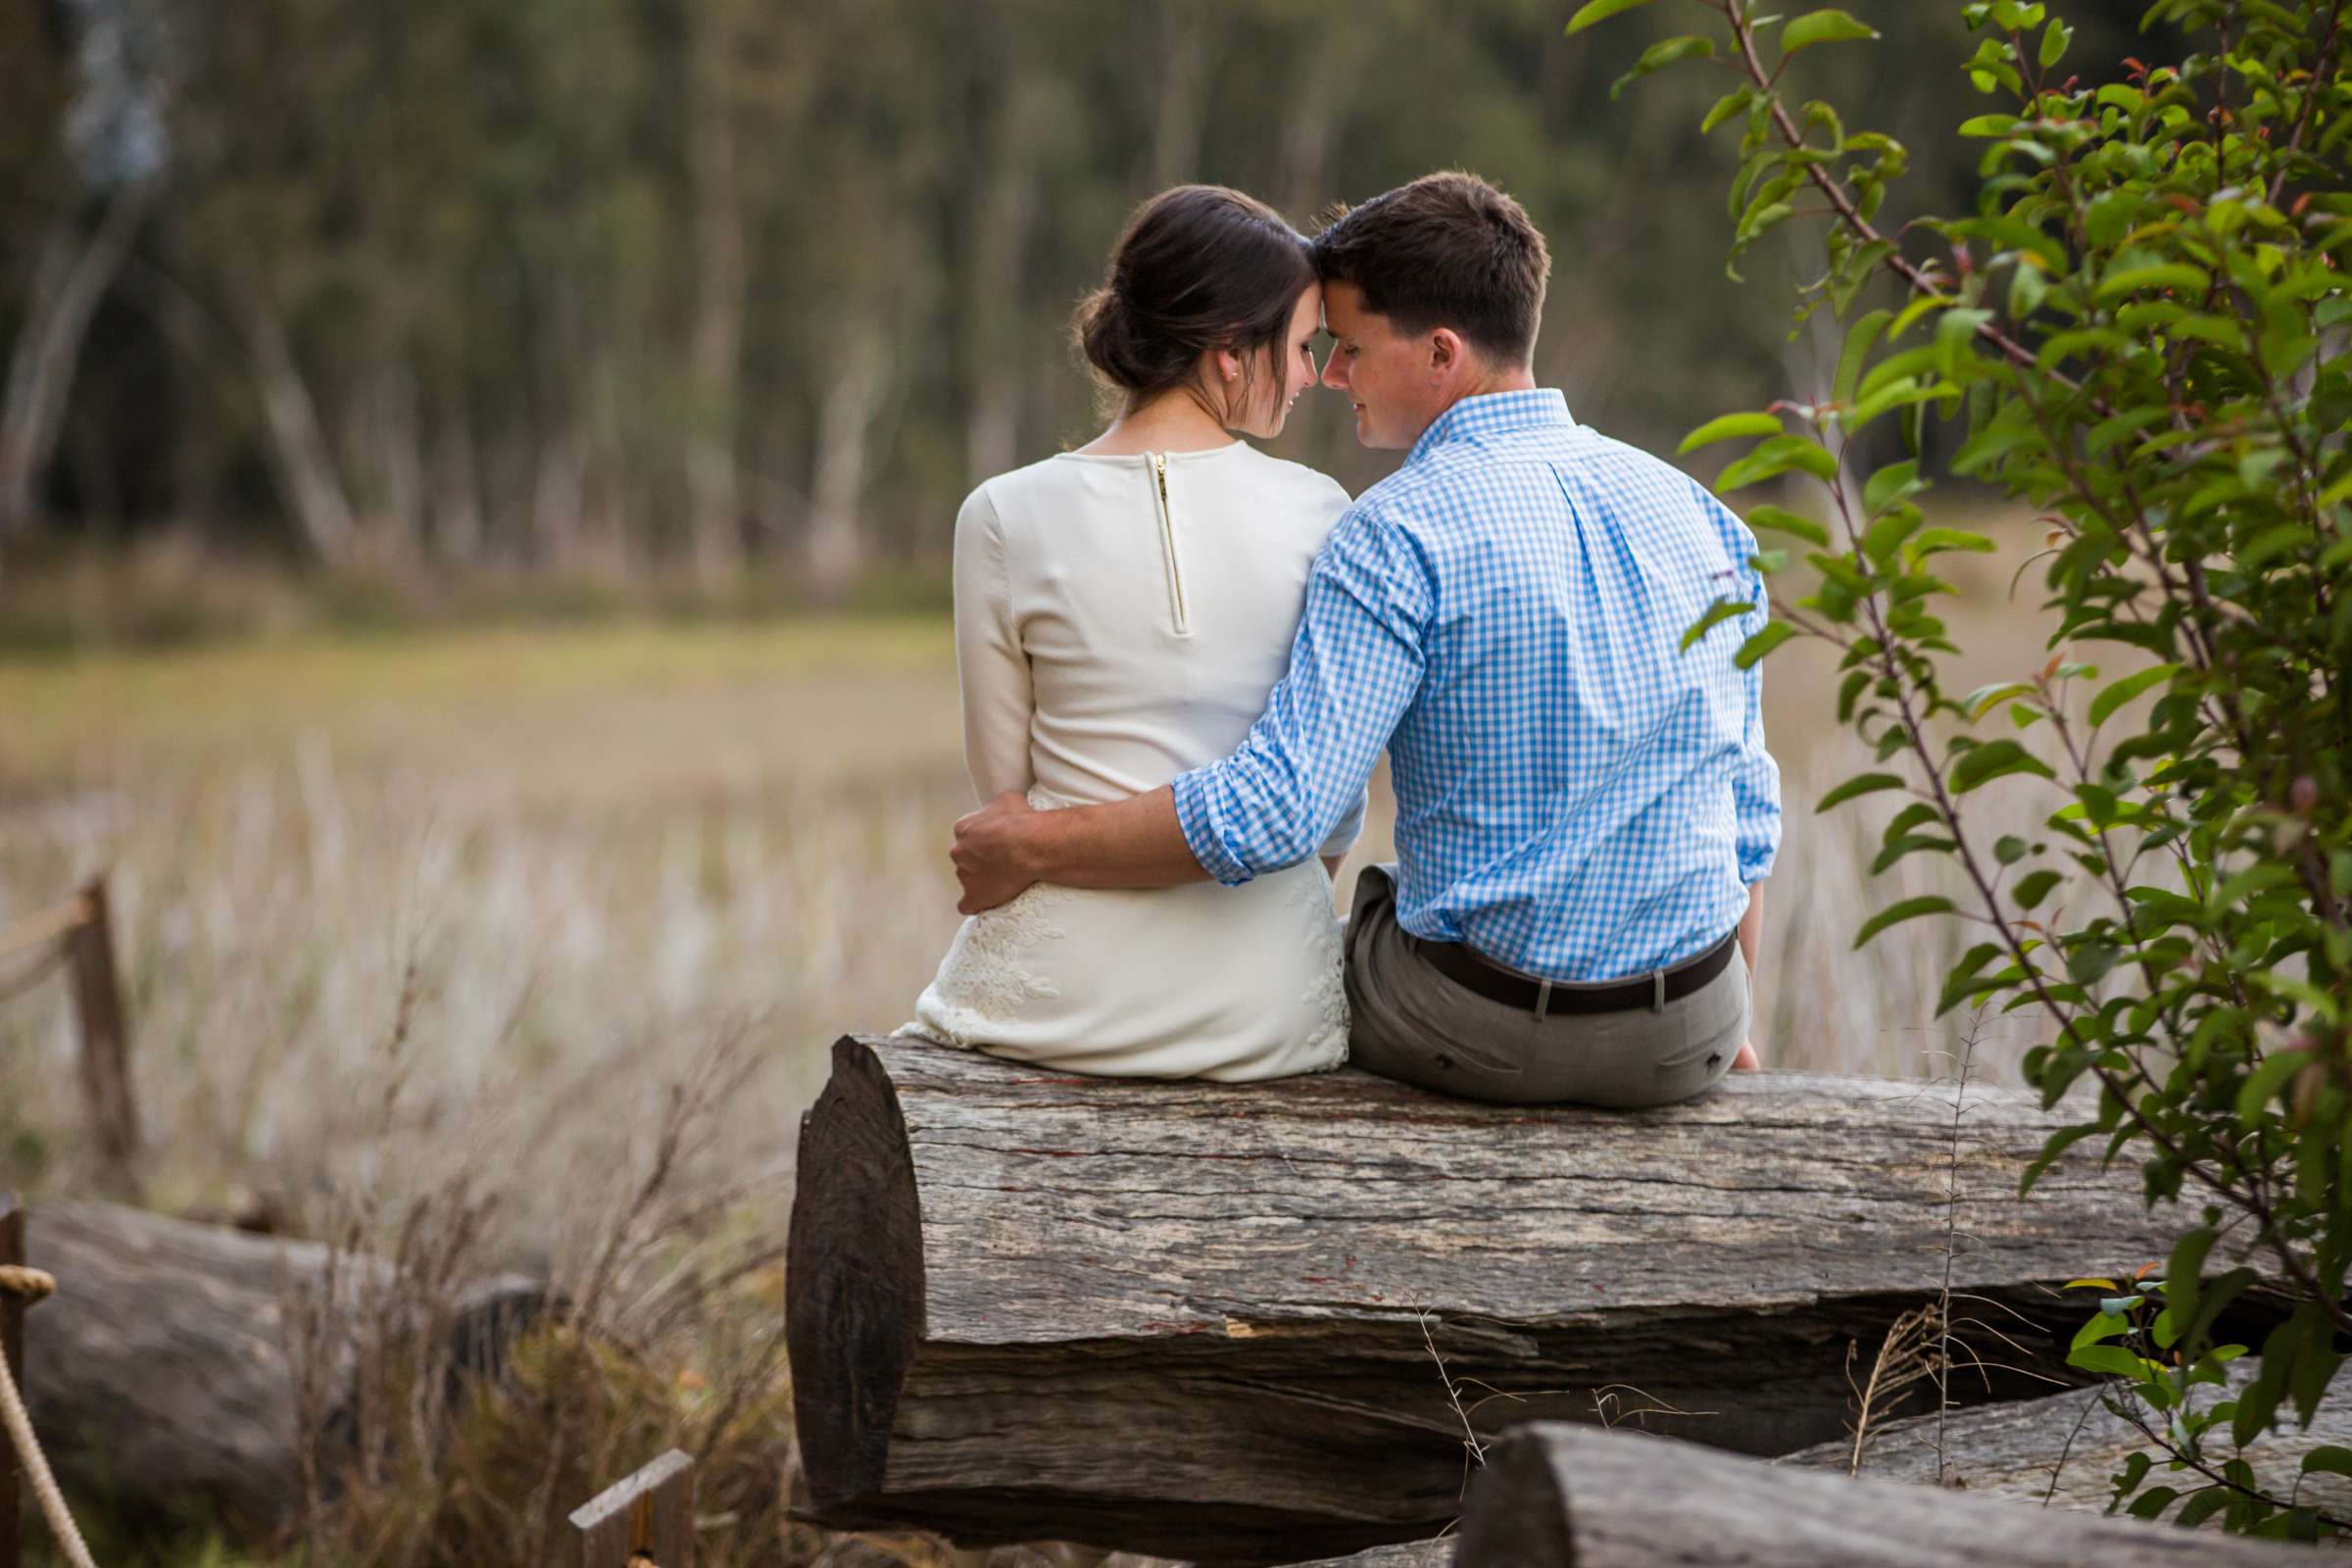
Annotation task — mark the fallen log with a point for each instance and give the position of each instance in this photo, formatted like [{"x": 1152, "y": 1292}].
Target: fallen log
[
  {"x": 164, "y": 1374},
  {"x": 1554, "y": 1494},
  {"x": 1405, "y": 1554},
  {"x": 1204, "y": 1321},
  {"x": 2066, "y": 1447}
]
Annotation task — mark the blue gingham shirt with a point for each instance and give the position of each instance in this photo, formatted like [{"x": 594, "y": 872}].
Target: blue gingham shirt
[{"x": 1576, "y": 797}]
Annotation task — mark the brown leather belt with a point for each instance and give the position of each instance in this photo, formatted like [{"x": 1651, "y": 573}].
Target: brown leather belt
[{"x": 1460, "y": 963}]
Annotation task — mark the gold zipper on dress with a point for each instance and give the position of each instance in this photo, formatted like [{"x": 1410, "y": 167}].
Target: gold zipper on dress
[{"x": 1178, "y": 613}]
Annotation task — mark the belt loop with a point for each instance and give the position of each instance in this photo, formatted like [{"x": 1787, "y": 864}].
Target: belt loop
[
  {"x": 1657, "y": 991},
  {"x": 1542, "y": 997}
]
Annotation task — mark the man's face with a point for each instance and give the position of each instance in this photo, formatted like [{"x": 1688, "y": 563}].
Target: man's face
[{"x": 1385, "y": 374}]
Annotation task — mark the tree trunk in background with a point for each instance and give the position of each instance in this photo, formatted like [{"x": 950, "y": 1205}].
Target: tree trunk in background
[
  {"x": 305, "y": 468},
  {"x": 457, "y": 493},
  {"x": 69, "y": 280},
  {"x": 714, "y": 507},
  {"x": 559, "y": 487},
  {"x": 836, "y": 543},
  {"x": 1313, "y": 114},
  {"x": 994, "y": 332},
  {"x": 1181, "y": 68},
  {"x": 388, "y": 448}
]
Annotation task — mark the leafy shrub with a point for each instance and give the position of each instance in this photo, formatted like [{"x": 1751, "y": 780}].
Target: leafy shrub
[{"x": 2141, "y": 331}]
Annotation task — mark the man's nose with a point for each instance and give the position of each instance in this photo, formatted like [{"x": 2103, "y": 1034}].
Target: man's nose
[{"x": 1334, "y": 376}]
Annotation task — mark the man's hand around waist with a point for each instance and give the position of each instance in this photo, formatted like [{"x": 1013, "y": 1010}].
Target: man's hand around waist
[
  {"x": 988, "y": 852},
  {"x": 1005, "y": 845}
]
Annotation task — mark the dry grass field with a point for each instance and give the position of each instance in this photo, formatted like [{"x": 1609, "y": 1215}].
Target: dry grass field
[
  {"x": 552, "y": 860},
  {"x": 444, "y": 918}
]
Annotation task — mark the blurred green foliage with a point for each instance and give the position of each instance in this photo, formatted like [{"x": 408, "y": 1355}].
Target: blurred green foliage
[
  {"x": 2140, "y": 327},
  {"x": 594, "y": 287}
]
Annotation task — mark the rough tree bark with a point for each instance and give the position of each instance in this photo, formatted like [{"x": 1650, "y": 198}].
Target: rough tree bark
[
  {"x": 1188, "y": 1318},
  {"x": 2066, "y": 1447},
  {"x": 1554, "y": 1494},
  {"x": 162, "y": 1370}
]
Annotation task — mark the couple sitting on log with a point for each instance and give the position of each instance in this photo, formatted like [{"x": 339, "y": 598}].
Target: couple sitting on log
[{"x": 1181, "y": 659}]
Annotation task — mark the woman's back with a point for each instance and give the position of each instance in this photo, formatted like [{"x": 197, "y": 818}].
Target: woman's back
[{"x": 1119, "y": 620}]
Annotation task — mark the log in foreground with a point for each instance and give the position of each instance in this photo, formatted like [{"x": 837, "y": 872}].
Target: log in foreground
[
  {"x": 2066, "y": 1447},
  {"x": 1554, "y": 1494},
  {"x": 1186, "y": 1319},
  {"x": 162, "y": 1375}
]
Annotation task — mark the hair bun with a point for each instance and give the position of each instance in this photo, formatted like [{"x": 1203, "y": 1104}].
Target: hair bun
[
  {"x": 1106, "y": 336},
  {"x": 1198, "y": 266}
]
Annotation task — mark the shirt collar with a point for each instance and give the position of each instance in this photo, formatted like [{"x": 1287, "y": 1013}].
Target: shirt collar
[{"x": 1492, "y": 413}]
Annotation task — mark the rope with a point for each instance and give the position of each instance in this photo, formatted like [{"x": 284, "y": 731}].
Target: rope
[{"x": 33, "y": 1284}]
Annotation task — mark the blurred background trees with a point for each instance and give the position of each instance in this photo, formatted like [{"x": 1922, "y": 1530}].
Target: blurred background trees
[{"x": 603, "y": 289}]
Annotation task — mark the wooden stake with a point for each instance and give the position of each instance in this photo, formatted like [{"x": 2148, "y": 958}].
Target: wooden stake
[
  {"x": 646, "y": 1521},
  {"x": 12, "y": 1345},
  {"x": 113, "y": 1111}
]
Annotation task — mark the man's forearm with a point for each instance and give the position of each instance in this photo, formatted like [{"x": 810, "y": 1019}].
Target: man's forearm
[
  {"x": 1751, "y": 927},
  {"x": 1135, "y": 843}
]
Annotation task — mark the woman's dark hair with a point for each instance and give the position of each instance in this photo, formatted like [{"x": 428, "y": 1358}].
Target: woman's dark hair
[
  {"x": 1447, "y": 250},
  {"x": 1198, "y": 266}
]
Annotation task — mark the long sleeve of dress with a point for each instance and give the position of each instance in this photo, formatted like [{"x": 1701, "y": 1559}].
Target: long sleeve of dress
[{"x": 990, "y": 662}]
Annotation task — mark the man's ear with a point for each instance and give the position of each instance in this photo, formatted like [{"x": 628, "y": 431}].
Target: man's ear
[{"x": 1447, "y": 350}]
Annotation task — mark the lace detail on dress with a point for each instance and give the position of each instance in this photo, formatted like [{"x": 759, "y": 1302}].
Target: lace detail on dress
[
  {"x": 986, "y": 980},
  {"x": 1326, "y": 994}
]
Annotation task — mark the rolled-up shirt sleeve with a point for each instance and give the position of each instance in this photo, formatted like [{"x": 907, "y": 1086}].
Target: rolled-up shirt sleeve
[{"x": 1356, "y": 666}]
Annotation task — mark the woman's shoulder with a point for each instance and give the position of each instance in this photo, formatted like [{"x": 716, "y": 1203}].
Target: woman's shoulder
[{"x": 1319, "y": 492}]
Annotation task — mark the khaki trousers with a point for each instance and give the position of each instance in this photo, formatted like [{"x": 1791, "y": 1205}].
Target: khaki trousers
[{"x": 1409, "y": 1022}]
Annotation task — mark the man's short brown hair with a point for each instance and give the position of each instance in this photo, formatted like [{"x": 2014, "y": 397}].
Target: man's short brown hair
[{"x": 1447, "y": 250}]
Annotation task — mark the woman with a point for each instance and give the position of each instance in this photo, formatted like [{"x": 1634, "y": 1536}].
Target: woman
[{"x": 1121, "y": 613}]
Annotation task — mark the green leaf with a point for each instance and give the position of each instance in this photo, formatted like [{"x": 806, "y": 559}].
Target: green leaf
[
  {"x": 1780, "y": 520},
  {"x": 1775, "y": 457},
  {"x": 1595, "y": 11},
  {"x": 2267, "y": 1081},
  {"x": 2117, "y": 693},
  {"x": 1860, "y": 338},
  {"x": 1730, "y": 104},
  {"x": 1982, "y": 765},
  {"x": 1865, "y": 784},
  {"x": 1774, "y": 633},
  {"x": 2054, "y": 40},
  {"x": 1821, "y": 27},
  {"x": 2154, "y": 274},
  {"x": 1658, "y": 56},
  {"x": 1721, "y": 611},
  {"x": 1895, "y": 914},
  {"x": 2113, "y": 1359},
  {"x": 1728, "y": 426},
  {"x": 2328, "y": 1460},
  {"x": 2105, "y": 1326},
  {"x": 2183, "y": 1275},
  {"x": 2034, "y": 886},
  {"x": 1935, "y": 541},
  {"x": 1887, "y": 486}
]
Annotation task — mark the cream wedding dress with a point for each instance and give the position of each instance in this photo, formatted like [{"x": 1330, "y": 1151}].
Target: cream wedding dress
[{"x": 1120, "y": 620}]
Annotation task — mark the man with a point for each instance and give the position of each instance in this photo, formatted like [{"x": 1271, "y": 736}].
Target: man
[{"x": 1586, "y": 813}]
